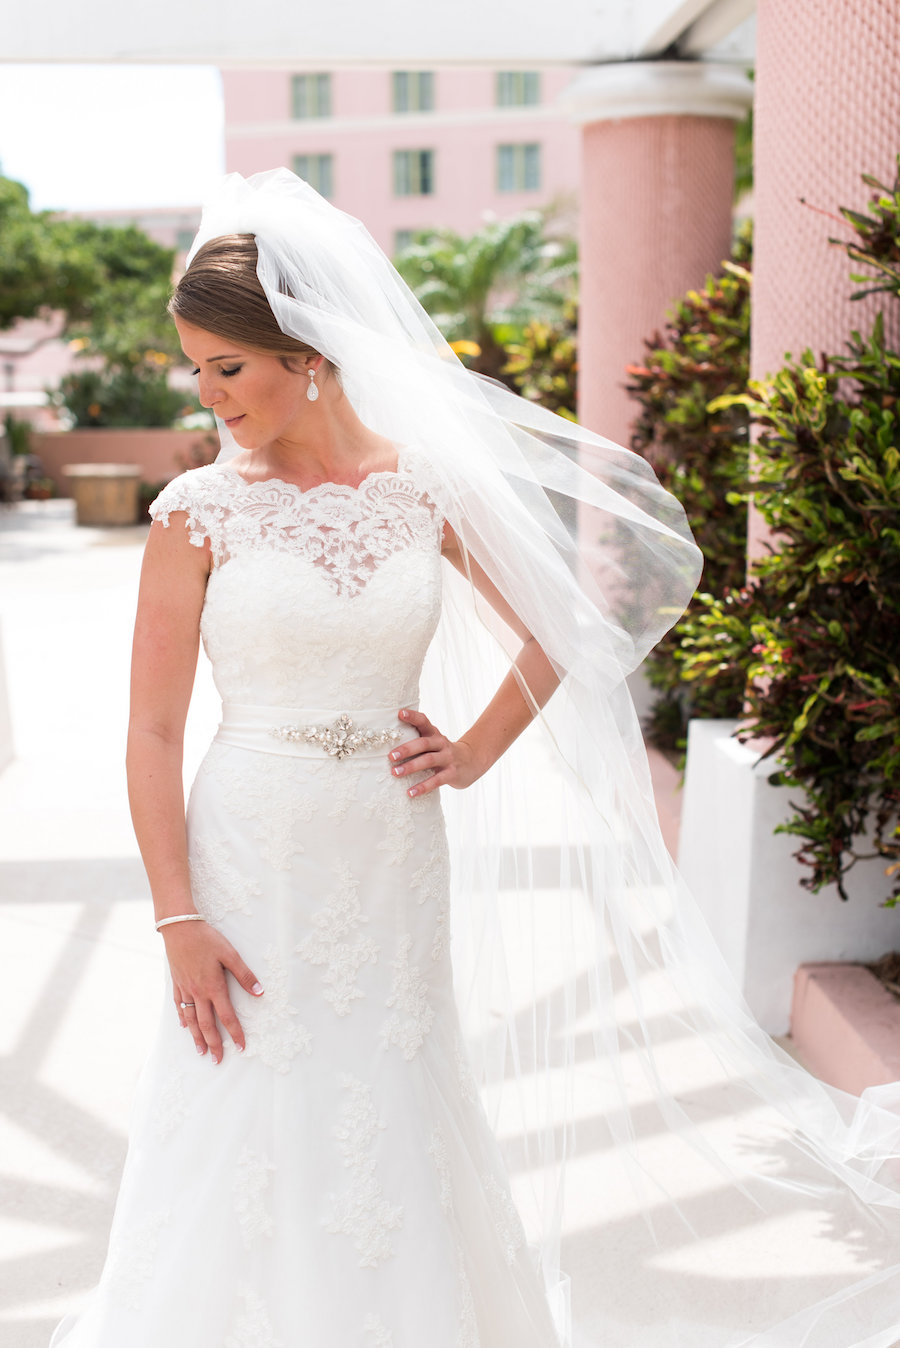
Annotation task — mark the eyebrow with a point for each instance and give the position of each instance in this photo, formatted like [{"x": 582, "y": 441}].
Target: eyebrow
[{"x": 231, "y": 356}]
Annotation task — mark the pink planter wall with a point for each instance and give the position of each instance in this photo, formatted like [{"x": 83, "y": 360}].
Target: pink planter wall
[{"x": 153, "y": 451}]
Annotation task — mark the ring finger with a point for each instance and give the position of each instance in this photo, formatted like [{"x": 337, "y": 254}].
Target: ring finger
[{"x": 189, "y": 1012}]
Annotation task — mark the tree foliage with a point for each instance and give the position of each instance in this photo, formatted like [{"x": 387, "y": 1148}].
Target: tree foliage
[
  {"x": 108, "y": 287},
  {"x": 485, "y": 289}
]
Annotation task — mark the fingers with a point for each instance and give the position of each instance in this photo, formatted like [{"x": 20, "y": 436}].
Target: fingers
[
  {"x": 417, "y": 750},
  {"x": 418, "y": 720},
  {"x": 204, "y": 1010},
  {"x": 209, "y": 1031}
]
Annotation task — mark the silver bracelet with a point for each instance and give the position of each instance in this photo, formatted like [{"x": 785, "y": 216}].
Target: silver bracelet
[{"x": 182, "y": 917}]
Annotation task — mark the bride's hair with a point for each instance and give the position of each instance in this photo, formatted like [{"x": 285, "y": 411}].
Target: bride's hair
[{"x": 221, "y": 293}]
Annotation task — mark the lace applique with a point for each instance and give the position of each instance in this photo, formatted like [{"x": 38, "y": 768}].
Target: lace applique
[
  {"x": 251, "y": 1180},
  {"x": 342, "y": 785},
  {"x": 381, "y": 1335},
  {"x": 347, "y": 532},
  {"x": 361, "y": 1211},
  {"x": 270, "y": 1031},
  {"x": 438, "y": 1149},
  {"x": 262, "y": 789},
  {"x": 335, "y": 942},
  {"x": 251, "y": 1326},
  {"x": 390, "y": 803},
  {"x": 507, "y": 1222},
  {"x": 468, "y": 1336},
  {"x": 432, "y": 880},
  {"x": 217, "y": 885},
  {"x": 411, "y": 1021},
  {"x": 131, "y": 1261},
  {"x": 468, "y": 1083},
  {"x": 171, "y": 1107}
]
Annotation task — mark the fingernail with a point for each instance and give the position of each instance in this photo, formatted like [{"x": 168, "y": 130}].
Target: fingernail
[
  {"x": 395, "y": 755},
  {"x": 397, "y": 772},
  {"x": 413, "y": 791},
  {"x": 404, "y": 714},
  {"x": 200, "y": 1050},
  {"x": 239, "y": 1047},
  {"x": 257, "y": 989}
]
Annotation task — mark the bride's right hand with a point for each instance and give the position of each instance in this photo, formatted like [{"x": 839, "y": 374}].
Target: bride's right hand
[{"x": 199, "y": 958}]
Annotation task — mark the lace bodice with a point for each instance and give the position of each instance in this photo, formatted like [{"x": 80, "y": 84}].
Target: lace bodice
[{"x": 320, "y": 598}]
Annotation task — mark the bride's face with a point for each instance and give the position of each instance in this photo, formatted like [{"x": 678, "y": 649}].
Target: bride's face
[{"x": 258, "y": 399}]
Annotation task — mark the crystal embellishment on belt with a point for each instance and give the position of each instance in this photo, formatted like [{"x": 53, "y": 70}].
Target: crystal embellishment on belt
[{"x": 341, "y": 739}]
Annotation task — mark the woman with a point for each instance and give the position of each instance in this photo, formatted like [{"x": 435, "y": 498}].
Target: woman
[{"x": 324, "y": 1169}]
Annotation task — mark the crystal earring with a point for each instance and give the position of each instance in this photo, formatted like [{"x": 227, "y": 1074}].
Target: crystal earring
[{"x": 312, "y": 392}]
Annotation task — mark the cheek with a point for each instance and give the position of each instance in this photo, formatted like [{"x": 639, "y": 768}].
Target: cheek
[{"x": 278, "y": 401}]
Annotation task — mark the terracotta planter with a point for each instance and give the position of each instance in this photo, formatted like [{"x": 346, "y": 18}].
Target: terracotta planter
[{"x": 105, "y": 493}]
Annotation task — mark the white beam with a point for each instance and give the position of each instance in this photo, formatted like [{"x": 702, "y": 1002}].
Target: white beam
[
  {"x": 716, "y": 24},
  {"x": 393, "y": 33},
  {"x": 663, "y": 22}
]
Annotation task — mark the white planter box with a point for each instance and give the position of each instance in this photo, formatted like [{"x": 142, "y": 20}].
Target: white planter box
[{"x": 747, "y": 881}]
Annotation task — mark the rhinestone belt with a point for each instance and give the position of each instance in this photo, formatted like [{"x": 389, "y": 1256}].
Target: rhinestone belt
[{"x": 340, "y": 739}]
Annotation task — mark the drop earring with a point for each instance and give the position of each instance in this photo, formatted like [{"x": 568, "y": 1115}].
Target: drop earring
[{"x": 312, "y": 392}]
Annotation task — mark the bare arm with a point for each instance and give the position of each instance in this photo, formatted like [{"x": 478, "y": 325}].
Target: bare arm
[
  {"x": 461, "y": 762},
  {"x": 164, "y": 660}
]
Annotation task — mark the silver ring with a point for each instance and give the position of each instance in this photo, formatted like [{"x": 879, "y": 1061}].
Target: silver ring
[{"x": 184, "y": 1005}]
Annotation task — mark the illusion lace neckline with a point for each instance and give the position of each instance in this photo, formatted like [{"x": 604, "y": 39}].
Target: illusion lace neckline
[{"x": 401, "y": 470}]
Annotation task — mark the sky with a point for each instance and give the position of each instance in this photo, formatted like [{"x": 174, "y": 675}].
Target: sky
[{"x": 87, "y": 137}]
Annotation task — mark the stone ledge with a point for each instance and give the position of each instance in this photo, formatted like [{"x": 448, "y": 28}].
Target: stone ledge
[{"x": 846, "y": 1026}]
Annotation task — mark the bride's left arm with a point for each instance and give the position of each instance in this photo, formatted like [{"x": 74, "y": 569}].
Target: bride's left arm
[{"x": 460, "y": 762}]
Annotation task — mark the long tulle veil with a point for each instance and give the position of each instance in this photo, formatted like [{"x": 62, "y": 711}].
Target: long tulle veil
[{"x": 682, "y": 1181}]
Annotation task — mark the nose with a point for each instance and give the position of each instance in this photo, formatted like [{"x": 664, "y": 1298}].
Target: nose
[{"x": 208, "y": 393}]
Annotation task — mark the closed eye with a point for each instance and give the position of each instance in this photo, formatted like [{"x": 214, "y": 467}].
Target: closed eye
[{"x": 226, "y": 373}]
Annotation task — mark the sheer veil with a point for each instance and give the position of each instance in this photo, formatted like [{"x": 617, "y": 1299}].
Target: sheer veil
[{"x": 681, "y": 1180}]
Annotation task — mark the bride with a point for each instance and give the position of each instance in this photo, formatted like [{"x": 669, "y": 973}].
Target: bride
[{"x": 438, "y": 1069}]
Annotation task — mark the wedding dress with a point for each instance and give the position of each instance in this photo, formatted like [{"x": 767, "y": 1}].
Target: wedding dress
[
  {"x": 337, "y": 1185},
  {"x": 598, "y": 1145}
]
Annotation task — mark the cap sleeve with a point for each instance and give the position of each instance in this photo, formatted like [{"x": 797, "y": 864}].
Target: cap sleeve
[{"x": 191, "y": 492}]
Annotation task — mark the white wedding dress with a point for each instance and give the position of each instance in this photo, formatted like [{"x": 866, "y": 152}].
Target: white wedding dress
[{"x": 338, "y": 1184}]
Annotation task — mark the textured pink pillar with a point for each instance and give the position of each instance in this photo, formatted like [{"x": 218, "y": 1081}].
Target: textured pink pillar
[
  {"x": 656, "y": 209},
  {"x": 827, "y": 109}
]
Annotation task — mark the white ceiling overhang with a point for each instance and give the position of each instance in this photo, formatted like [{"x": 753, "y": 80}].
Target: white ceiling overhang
[{"x": 393, "y": 33}]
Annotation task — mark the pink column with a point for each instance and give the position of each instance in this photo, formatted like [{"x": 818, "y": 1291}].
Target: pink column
[
  {"x": 827, "y": 109},
  {"x": 656, "y": 209}
]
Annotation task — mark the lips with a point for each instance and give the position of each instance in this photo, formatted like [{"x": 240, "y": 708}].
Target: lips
[{"x": 233, "y": 421}]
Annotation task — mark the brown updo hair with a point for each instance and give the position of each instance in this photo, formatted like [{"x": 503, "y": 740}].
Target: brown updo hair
[{"x": 221, "y": 293}]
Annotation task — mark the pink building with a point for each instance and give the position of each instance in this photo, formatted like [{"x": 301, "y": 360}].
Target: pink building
[{"x": 410, "y": 149}]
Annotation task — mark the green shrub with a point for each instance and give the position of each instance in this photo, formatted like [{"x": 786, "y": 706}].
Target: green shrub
[
  {"x": 701, "y": 456},
  {"x": 815, "y": 636},
  {"x": 544, "y": 362},
  {"x": 121, "y": 397}
]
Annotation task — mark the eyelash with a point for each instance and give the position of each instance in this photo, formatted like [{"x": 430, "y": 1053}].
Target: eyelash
[{"x": 222, "y": 370}]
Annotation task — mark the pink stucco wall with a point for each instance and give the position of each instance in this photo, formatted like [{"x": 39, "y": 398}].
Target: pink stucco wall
[
  {"x": 463, "y": 130},
  {"x": 656, "y": 216},
  {"x": 827, "y": 109}
]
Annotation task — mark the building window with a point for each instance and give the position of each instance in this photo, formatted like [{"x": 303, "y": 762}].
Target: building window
[
  {"x": 318, "y": 171},
  {"x": 413, "y": 90},
  {"x": 311, "y": 95},
  {"x": 413, "y": 173},
  {"x": 518, "y": 168},
  {"x": 517, "y": 88},
  {"x": 402, "y": 239}
]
